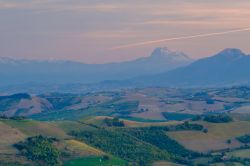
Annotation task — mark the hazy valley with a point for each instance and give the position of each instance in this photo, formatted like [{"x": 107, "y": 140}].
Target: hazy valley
[{"x": 167, "y": 125}]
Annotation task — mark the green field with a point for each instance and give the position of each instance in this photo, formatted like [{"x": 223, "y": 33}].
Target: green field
[
  {"x": 15, "y": 131},
  {"x": 215, "y": 139},
  {"x": 244, "y": 153},
  {"x": 136, "y": 119},
  {"x": 33, "y": 128},
  {"x": 8, "y": 137},
  {"x": 131, "y": 122},
  {"x": 226, "y": 164},
  {"x": 81, "y": 148},
  {"x": 177, "y": 116},
  {"x": 95, "y": 161}
]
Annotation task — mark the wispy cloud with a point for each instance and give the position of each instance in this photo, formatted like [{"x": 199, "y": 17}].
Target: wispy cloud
[
  {"x": 103, "y": 35},
  {"x": 179, "y": 38},
  {"x": 53, "y": 6}
]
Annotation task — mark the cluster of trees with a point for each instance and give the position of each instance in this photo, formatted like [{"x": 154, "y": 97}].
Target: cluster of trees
[
  {"x": 244, "y": 139},
  {"x": 215, "y": 118},
  {"x": 13, "y": 117},
  {"x": 180, "y": 127},
  {"x": 210, "y": 101},
  {"x": 202, "y": 96},
  {"x": 41, "y": 149},
  {"x": 17, "y": 96},
  {"x": 140, "y": 145},
  {"x": 197, "y": 118},
  {"x": 123, "y": 108},
  {"x": 184, "y": 126},
  {"x": 220, "y": 118},
  {"x": 229, "y": 160},
  {"x": 121, "y": 144},
  {"x": 157, "y": 137},
  {"x": 114, "y": 122}
]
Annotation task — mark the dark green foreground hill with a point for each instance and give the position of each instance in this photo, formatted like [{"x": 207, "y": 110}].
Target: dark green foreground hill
[{"x": 91, "y": 141}]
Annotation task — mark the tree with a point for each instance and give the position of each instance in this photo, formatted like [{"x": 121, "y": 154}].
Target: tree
[
  {"x": 205, "y": 130},
  {"x": 105, "y": 158},
  {"x": 221, "y": 118},
  {"x": 40, "y": 148},
  {"x": 114, "y": 122}
]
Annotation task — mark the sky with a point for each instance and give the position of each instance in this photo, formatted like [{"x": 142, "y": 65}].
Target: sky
[{"x": 101, "y": 31}]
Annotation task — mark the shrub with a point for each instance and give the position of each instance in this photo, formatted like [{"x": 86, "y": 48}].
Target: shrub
[
  {"x": 105, "y": 158},
  {"x": 114, "y": 122},
  {"x": 40, "y": 148},
  {"x": 221, "y": 118},
  {"x": 121, "y": 144},
  {"x": 205, "y": 130},
  {"x": 197, "y": 118},
  {"x": 244, "y": 139}
]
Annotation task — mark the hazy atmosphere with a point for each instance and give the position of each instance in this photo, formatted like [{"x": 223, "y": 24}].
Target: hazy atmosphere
[
  {"x": 124, "y": 83},
  {"x": 95, "y": 31}
]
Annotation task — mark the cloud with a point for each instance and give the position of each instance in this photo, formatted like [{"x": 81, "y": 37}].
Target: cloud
[
  {"x": 11, "y": 5},
  {"x": 222, "y": 22},
  {"x": 95, "y": 35},
  {"x": 54, "y": 6},
  {"x": 199, "y": 16},
  {"x": 179, "y": 38}
]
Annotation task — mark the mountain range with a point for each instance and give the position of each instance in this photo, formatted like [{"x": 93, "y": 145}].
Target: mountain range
[
  {"x": 162, "y": 68},
  {"x": 16, "y": 72},
  {"x": 228, "y": 67}
]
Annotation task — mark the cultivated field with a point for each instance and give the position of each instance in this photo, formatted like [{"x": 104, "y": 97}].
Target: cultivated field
[{"x": 215, "y": 139}]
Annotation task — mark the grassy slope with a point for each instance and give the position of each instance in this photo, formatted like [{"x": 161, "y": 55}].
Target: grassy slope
[
  {"x": 244, "y": 153},
  {"x": 216, "y": 137},
  {"x": 135, "y": 122},
  {"x": 68, "y": 126},
  {"x": 17, "y": 130},
  {"x": 8, "y": 137},
  {"x": 224, "y": 164},
  {"x": 71, "y": 114},
  {"x": 32, "y": 128},
  {"x": 82, "y": 149}
]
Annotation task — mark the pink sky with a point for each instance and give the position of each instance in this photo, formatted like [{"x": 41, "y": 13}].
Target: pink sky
[{"x": 88, "y": 30}]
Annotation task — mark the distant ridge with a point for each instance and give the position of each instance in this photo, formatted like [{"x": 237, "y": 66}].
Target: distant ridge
[
  {"x": 229, "y": 67},
  {"x": 14, "y": 72}
]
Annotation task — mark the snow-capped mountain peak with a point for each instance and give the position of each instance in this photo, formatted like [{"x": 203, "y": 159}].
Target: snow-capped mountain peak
[{"x": 164, "y": 52}]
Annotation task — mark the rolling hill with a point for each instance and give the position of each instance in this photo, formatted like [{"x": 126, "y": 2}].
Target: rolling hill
[{"x": 144, "y": 104}]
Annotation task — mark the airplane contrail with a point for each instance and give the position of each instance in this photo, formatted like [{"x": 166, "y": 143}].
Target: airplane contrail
[{"x": 179, "y": 38}]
